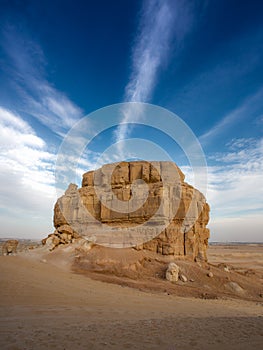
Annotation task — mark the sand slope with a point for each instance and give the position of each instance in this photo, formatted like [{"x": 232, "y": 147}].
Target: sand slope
[
  {"x": 145, "y": 270},
  {"x": 45, "y": 306}
]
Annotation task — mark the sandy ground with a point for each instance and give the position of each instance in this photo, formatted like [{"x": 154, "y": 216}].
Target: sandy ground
[
  {"x": 240, "y": 256},
  {"x": 43, "y": 305}
]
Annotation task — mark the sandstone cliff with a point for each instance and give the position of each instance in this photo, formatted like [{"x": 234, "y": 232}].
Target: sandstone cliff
[{"x": 146, "y": 205}]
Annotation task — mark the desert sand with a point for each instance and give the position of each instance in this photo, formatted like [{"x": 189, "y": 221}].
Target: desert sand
[{"x": 44, "y": 305}]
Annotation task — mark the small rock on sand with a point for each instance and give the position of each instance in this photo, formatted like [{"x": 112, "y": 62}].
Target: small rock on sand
[
  {"x": 234, "y": 287},
  {"x": 183, "y": 278},
  {"x": 172, "y": 272}
]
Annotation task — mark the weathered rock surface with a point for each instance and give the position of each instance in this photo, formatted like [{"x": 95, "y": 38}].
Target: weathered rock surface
[
  {"x": 143, "y": 204},
  {"x": 63, "y": 235}
]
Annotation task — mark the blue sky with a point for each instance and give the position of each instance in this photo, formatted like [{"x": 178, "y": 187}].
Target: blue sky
[{"x": 62, "y": 60}]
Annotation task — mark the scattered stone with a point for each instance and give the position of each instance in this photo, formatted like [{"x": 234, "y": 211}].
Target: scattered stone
[
  {"x": 191, "y": 280},
  {"x": 52, "y": 242},
  {"x": 224, "y": 267},
  {"x": 63, "y": 235},
  {"x": 210, "y": 274},
  {"x": 83, "y": 246},
  {"x": 234, "y": 287},
  {"x": 183, "y": 278},
  {"x": 208, "y": 296},
  {"x": 261, "y": 295},
  {"x": 133, "y": 267},
  {"x": 172, "y": 272}
]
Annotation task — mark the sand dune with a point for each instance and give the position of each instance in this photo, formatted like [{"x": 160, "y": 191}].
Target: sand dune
[{"x": 46, "y": 306}]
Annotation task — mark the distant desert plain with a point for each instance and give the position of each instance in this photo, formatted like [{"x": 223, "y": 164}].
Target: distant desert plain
[{"x": 48, "y": 302}]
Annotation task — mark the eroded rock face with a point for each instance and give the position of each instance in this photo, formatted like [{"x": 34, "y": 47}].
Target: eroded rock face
[
  {"x": 142, "y": 204},
  {"x": 63, "y": 235}
]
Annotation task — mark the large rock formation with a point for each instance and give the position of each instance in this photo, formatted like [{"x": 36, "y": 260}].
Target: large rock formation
[{"x": 142, "y": 204}]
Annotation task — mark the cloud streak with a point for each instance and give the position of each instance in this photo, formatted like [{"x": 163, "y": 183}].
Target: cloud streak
[
  {"x": 251, "y": 105},
  {"x": 26, "y": 178},
  {"x": 40, "y": 99},
  {"x": 151, "y": 48},
  {"x": 161, "y": 21},
  {"x": 235, "y": 190}
]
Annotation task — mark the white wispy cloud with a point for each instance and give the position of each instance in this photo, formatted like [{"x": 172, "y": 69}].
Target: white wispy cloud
[
  {"x": 161, "y": 22},
  {"x": 27, "y": 70},
  {"x": 235, "y": 191},
  {"x": 236, "y": 184},
  {"x": 151, "y": 48},
  {"x": 27, "y": 163},
  {"x": 26, "y": 178},
  {"x": 247, "y": 109}
]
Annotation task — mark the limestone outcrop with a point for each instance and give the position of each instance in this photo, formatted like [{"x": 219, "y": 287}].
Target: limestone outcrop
[
  {"x": 64, "y": 234},
  {"x": 145, "y": 205}
]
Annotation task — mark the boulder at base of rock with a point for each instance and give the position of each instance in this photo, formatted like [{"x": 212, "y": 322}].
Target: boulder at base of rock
[
  {"x": 172, "y": 272},
  {"x": 10, "y": 247},
  {"x": 183, "y": 278},
  {"x": 234, "y": 287}
]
